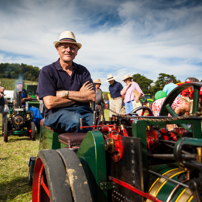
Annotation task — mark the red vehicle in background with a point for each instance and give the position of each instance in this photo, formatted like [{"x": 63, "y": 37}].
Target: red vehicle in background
[{"x": 189, "y": 92}]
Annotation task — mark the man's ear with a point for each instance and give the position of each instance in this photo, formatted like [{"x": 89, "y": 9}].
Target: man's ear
[{"x": 57, "y": 49}]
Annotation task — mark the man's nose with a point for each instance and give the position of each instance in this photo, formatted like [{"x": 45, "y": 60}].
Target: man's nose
[{"x": 68, "y": 49}]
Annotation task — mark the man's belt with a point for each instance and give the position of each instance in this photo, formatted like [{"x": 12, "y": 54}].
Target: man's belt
[{"x": 116, "y": 98}]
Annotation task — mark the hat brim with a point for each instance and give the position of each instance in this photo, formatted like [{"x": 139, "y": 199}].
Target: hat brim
[
  {"x": 111, "y": 79},
  {"x": 97, "y": 82},
  {"x": 56, "y": 43},
  {"x": 128, "y": 78}
]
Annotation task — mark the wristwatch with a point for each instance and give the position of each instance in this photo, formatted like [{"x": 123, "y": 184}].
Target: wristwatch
[{"x": 66, "y": 93}]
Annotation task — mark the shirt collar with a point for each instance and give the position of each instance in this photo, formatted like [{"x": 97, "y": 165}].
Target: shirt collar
[
  {"x": 113, "y": 83},
  {"x": 59, "y": 68}
]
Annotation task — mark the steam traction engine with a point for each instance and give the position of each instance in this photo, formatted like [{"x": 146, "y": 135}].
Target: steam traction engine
[
  {"x": 129, "y": 158},
  {"x": 18, "y": 121}
]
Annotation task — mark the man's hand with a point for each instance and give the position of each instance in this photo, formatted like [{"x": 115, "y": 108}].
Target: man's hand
[
  {"x": 129, "y": 84},
  {"x": 87, "y": 86},
  {"x": 137, "y": 99},
  {"x": 23, "y": 100},
  {"x": 88, "y": 95}
]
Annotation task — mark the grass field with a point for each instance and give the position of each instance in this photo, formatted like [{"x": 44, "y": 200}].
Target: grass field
[
  {"x": 10, "y": 84},
  {"x": 13, "y": 167}
]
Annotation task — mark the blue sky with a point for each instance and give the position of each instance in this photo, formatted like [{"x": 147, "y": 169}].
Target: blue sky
[{"x": 119, "y": 37}]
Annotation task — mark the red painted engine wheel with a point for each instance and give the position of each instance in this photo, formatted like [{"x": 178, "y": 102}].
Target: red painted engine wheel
[
  {"x": 32, "y": 133},
  {"x": 49, "y": 178}
]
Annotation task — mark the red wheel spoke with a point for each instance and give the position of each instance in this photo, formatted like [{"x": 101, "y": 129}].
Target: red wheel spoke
[
  {"x": 39, "y": 181},
  {"x": 44, "y": 186}
]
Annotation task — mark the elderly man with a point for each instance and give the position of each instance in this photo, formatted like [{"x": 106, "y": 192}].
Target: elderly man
[
  {"x": 25, "y": 96},
  {"x": 66, "y": 88},
  {"x": 116, "y": 98}
]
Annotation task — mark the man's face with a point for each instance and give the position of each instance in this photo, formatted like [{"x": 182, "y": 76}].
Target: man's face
[
  {"x": 97, "y": 85},
  {"x": 111, "y": 82},
  {"x": 67, "y": 51},
  {"x": 127, "y": 81},
  {"x": 20, "y": 86}
]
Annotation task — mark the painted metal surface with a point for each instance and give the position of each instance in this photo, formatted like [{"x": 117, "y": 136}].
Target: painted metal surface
[
  {"x": 48, "y": 139},
  {"x": 128, "y": 171},
  {"x": 92, "y": 156}
]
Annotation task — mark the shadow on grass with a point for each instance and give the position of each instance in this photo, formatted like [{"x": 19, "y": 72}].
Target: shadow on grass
[
  {"x": 15, "y": 138},
  {"x": 5, "y": 158},
  {"x": 11, "y": 139},
  {"x": 10, "y": 190}
]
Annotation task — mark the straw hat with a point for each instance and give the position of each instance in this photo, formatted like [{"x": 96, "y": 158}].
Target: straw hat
[
  {"x": 127, "y": 77},
  {"x": 97, "y": 81},
  {"x": 110, "y": 77},
  {"x": 67, "y": 37}
]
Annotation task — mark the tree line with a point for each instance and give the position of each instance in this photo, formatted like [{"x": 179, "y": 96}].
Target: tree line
[
  {"x": 148, "y": 86},
  {"x": 15, "y": 71}
]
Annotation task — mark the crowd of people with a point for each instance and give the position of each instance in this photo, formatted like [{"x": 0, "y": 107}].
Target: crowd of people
[{"x": 67, "y": 89}]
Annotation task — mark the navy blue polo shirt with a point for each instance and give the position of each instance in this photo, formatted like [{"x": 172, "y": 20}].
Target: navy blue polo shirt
[
  {"x": 53, "y": 78},
  {"x": 115, "y": 89}
]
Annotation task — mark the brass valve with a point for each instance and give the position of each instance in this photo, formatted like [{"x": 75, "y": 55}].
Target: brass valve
[
  {"x": 109, "y": 145},
  {"x": 199, "y": 154}
]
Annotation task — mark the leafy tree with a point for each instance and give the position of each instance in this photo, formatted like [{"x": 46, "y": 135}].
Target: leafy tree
[
  {"x": 16, "y": 70},
  {"x": 144, "y": 82},
  {"x": 13, "y": 74},
  {"x": 7, "y": 74},
  {"x": 161, "y": 82}
]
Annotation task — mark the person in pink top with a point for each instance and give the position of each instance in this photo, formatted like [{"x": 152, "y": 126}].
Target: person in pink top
[{"x": 131, "y": 92}]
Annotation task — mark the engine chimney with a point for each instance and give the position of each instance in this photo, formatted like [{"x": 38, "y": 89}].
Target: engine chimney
[{"x": 19, "y": 97}]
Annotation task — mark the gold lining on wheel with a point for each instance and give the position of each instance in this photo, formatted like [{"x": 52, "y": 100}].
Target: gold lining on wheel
[{"x": 160, "y": 182}]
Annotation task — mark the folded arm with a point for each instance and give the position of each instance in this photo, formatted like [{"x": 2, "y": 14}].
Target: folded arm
[{"x": 86, "y": 94}]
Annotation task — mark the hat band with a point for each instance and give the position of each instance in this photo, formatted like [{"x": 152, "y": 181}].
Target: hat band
[
  {"x": 68, "y": 39},
  {"x": 110, "y": 78}
]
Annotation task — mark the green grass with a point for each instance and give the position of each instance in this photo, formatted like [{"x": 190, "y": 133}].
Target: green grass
[{"x": 13, "y": 167}]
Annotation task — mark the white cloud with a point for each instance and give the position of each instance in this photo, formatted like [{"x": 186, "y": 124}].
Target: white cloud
[{"x": 118, "y": 38}]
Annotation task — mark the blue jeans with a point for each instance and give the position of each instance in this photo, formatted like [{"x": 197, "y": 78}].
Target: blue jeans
[
  {"x": 128, "y": 107},
  {"x": 68, "y": 119}
]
